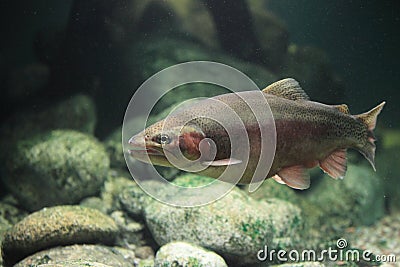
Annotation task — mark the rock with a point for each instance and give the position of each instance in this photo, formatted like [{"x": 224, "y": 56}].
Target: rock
[
  {"x": 146, "y": 263},
  {"x": 185, "y": 254},
  {"x": 144, "y": 252},
  {"x": 4, "y": 225},
  {"x": 130, "y": 231},
  {"x": 59, "y": 167},
  {"x": 108, "y": 200},
  {"x": 10, "y": 211},
  {"x": 236, "y": 226},
  {"x": 333, "y": 205},
  {"x": 133, "y": 200},
  {"x": 311, "y": 67},
  {"x": 57, "y": 226},
  {"x": 271, "y": 189},
  {"x": 9, "y": 215},
  {"x": 94, "y": 203},
  {"x": 112, "y": 188},
  {"x": 81, "y": 255}
]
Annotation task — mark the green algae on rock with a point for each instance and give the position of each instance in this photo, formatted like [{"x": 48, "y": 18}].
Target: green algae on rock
[
  {"x": 108, "y": 201},
  {"x": 59, "y": 167},
  {"x": 81, "y": 255},
  {"x": 185, "y": 254},
  {"x": 133, "y": 200},
  {"x": 56, "y": 226},
  {"x": 236, "y": 226},
  {"x": 272, "y": 189}
]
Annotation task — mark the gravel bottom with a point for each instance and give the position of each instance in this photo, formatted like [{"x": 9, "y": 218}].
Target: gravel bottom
[{"x": 382, "y": 238}]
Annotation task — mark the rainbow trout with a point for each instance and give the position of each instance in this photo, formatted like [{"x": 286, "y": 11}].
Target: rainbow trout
[{"x": 308, "y": 134}]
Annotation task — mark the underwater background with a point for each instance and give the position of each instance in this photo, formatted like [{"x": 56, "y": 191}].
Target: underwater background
[{"x": 68, "y": 70}]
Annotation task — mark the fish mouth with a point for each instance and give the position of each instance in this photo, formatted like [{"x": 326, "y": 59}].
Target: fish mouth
[
  {"x": 139, "y": 147},
  {"x": 147, "y": 151}
]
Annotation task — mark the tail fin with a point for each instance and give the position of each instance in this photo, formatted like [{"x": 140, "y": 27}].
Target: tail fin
[{"x": 369, "y": 119}]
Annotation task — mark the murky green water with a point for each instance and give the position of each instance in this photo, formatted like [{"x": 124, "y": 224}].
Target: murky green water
[{"x": 68, "y": 70}]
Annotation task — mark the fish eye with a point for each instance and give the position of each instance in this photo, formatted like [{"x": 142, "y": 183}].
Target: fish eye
[{"x": 164, "y": 139}]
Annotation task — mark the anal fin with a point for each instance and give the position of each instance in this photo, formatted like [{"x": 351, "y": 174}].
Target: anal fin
[
  {"x": 278, "y": 179},
  {"x": 335, "y": 164},
  {"x": 295, "y": 177}
]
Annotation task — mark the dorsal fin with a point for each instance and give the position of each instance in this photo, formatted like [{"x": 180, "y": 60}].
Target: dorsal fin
[
  {"x": 342, "y": 108},
  {"x": 287, "y": 88}
]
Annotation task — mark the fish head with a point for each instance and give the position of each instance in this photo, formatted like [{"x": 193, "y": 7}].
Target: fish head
[{"x": 160, "y": 140}]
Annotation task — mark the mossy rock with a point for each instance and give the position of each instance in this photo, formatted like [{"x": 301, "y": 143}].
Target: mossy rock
[
  {"x": 235, "y": 226},
  {"x": 58, "y": 167},
  {"x": 192, "y": 180},
  {"x": 81, "y": 255},
  {"x": 271, "y": 189},
  {"x": 185, "y": 254},
  {"x": 57, "y": 226}
]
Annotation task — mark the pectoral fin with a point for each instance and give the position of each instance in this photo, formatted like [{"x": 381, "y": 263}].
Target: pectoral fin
[
  {"x": 335, "y": 164},
  {"x": 295, "y": 177},
  {"x": 222, "y": 162}
]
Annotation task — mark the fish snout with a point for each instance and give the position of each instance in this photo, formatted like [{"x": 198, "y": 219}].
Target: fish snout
[
  {"x": 137, "y": 141},
  {"x": 139, "y": 146}
]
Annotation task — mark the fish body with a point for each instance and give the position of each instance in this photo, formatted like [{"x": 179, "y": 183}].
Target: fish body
[{"x": 308, "y": 134}]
